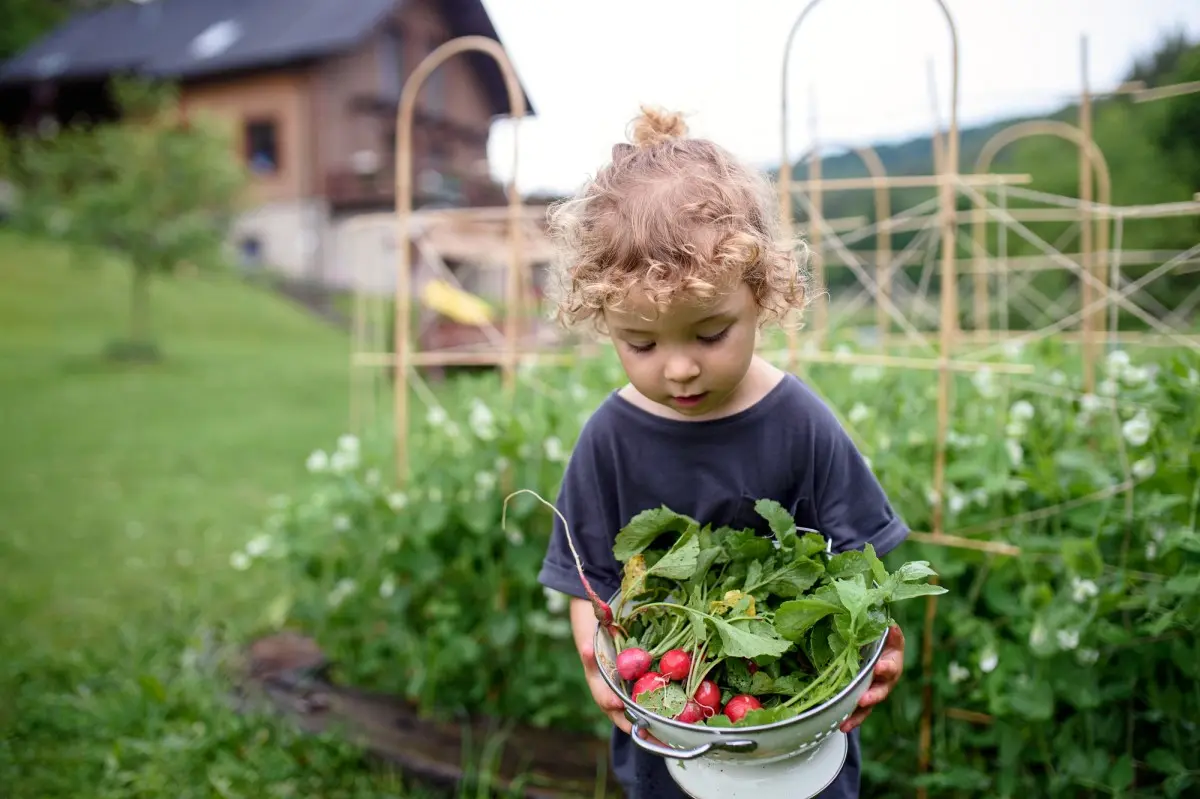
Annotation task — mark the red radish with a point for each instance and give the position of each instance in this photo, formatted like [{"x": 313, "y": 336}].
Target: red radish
[
  {"x": 708, "y": 695},
  {"x": 740, "y": 705},
  {"x": 603, "y": 611},
  {"x": 632, "y": 663},
  {"x": 691, "y": 713},
  {"x": 752, "y": 667},
  {"x": 675, "y": 664},
  {"x": 650, "y": 681}
]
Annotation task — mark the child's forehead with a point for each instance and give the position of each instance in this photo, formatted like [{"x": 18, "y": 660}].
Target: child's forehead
[{"x": 638, "y": 311}]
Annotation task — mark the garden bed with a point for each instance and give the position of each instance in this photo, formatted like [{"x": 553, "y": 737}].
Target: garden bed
[{"x": 517, "y": 760}]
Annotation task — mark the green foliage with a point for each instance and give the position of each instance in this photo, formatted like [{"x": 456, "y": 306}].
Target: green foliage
[
  {"x": 154, "y": 189},
  {"x": 1082, "y": 645},
  {"x": 163, "y": 723},
  {"x": 726, "y": 596}
]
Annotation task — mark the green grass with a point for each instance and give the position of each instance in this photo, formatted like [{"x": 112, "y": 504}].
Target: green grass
[
  {"x": 123, "y": 491},
  {"x": 124, "y": 487}
]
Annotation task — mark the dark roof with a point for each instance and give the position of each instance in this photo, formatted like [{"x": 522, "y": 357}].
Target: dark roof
[{"x": 165, "y": 39}]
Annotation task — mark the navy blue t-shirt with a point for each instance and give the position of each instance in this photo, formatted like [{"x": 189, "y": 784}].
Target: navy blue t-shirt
[{"x": 788, "y": 447}]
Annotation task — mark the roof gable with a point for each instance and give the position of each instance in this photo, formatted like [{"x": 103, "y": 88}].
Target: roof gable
[{"x": 186, "y": 39}]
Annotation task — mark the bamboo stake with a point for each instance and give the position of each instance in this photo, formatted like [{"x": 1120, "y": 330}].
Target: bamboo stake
[
  {"x": 958, "y": 542},
  {"x": 403, "y": 158},
  {"x": 948, "y": 175},
  {"x": 914, "y": 182},
  {"x": 1086, "y": 231}
]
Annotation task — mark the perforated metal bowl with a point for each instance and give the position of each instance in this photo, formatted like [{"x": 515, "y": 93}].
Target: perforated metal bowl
[{"x": 760, "y": 744}]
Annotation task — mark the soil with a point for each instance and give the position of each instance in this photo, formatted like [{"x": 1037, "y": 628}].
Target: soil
[{"x": 289, "y": 671}]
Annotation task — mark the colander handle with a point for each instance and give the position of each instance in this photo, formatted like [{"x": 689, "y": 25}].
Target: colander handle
[{"x": 687, "y": 754}]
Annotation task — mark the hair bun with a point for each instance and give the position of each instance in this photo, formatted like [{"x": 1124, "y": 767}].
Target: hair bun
[{"x": 656, "y": 126}]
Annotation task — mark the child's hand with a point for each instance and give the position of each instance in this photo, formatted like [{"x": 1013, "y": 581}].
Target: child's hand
[
  {"x": 888, "y": 669},
  {"x": 603, "y": 696}
]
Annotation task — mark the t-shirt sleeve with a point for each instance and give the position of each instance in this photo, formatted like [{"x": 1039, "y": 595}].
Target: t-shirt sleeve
[
  {"x": 852, "y": 508},
  {"x": 587, "y": 500}
]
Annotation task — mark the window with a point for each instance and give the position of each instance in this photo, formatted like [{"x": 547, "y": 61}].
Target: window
[{"x": 262, "y": 146}]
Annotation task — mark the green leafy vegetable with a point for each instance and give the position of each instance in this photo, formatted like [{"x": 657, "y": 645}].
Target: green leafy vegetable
[{"x": 773, "y": 621}]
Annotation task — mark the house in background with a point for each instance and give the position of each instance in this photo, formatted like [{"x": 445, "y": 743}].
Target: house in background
[{"x": 311, "y": 88}]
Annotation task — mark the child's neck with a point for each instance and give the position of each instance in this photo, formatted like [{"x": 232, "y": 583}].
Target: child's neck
[{"x": 760, "y": 379}]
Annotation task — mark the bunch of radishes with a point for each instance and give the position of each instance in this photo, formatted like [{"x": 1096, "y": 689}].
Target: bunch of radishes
[{"x": 676, "y": 666}]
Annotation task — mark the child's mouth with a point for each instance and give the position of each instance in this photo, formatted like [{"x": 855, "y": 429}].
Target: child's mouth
[{"x": 687, "y": 402}]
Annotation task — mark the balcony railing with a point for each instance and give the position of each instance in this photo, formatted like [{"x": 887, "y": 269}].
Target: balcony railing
[{"x": 346, "y": 189}]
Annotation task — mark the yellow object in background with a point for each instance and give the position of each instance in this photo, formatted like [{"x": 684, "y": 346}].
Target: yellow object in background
[{"x": 461, "y": 306}]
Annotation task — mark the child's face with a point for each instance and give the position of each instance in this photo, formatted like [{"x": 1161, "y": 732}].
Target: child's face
[{"x": 691, "y": 357}]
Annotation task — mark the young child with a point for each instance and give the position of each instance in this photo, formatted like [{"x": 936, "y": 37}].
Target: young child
[{"x": 672, "y": 251}]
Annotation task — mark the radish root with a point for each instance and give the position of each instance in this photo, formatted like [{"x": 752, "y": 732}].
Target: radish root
[{"x": 603, "y": 611}]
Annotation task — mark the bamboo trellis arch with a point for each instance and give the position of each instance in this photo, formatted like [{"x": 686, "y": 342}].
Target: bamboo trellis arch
[{"x": 948, "y": 181}]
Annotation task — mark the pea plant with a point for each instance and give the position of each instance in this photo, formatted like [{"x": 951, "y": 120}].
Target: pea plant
[{"x": 1066, "y": 670}]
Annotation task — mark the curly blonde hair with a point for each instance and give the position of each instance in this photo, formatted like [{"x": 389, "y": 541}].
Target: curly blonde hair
[{"x": 672, "y": 215}]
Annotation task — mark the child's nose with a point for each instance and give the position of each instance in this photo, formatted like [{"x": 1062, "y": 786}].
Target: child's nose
[{"x": 680, "y": 369}]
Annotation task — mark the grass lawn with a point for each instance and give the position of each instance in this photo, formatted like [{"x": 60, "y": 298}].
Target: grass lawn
[{"x": 123, "y": 491}]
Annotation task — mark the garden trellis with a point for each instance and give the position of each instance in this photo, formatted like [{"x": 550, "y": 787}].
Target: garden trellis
[{"x": 910, "y": 333}]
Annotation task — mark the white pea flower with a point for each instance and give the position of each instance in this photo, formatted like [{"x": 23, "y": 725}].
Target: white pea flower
[
  {"x": 1090, "y": 403},
  {"x": 397, "y": 500},
  {"x": 1037, "y": 636},
  {"x": 239, "y": 561},
  {"x": 988, "y": 660},
  {"x": 980, "y": 497},
  {"x": 1057, "y": 378},
  {"x": 1015, "y": 486},
  {"x": 343, "y": 461},
  {"x": 1144, "y": 468},
  {"x": 556, "y": 601},
  {"x": 958, "y": 673},
  {"x": 348, "y": 443},
  {"x": 1193, "y": 377},
  {"x": 258, "y": 546},
  {"x": 858, "y": 414},
  {"x": 1021, "y": 410},
  {"x": 985, "y": 382},
  {"x": 1087, "y": 656},
  {"x": 344, "y": 588},
  {"x": 341, "y": 523},
  {"x": 318, "y": 461},
  {"x": 387, "y": 587},
  {"x": 515, "y": 537},
  {"x": 1107, "y": 388},
  {"x": 485, "y": 481},
  {"x": 436, "y": 416},
  {"x": 1083, "y": 590},
  {"x": 1151, "y": 550},
  {"x": 1137, "y": 430},
  {"x": 482, "y": 421},
  {"x": 866, "y": 374},
  {"x": 1015, "y": 453},
  {"x": 957, "y": 502},
  {"x": 1067, "y": 639},
  {"x": 578, "y": 393},
  {"x": 1136, "y": 375},
  {"x": 554, "y": 449},
  {"x": 1015, "y": 429},
  {"x": 1013, "y": 349},
  {"x": 371, "y": 478},
  {"x": 1116, "y": 361}
]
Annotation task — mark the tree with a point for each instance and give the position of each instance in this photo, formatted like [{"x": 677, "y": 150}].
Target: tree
[{"x": 155, "y": 188}]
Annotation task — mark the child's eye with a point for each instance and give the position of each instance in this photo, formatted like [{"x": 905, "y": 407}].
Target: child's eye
[
  {"x": 640, "y": 347},
  {"x": 715, "y": 338}
]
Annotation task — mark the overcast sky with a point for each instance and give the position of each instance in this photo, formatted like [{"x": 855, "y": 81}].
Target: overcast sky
[{"x": 861, "y": 65}]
